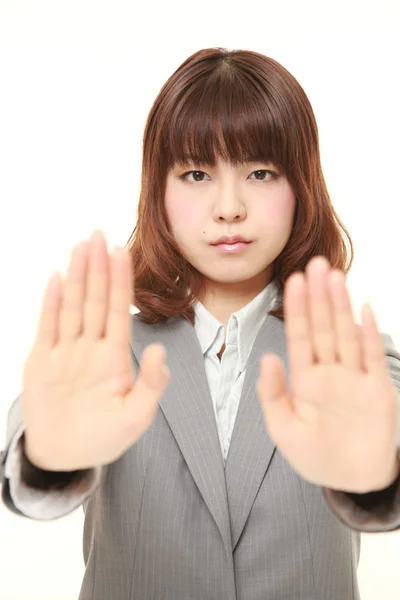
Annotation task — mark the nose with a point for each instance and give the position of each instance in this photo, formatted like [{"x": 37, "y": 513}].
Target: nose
[{"x": 229, "y": 205}]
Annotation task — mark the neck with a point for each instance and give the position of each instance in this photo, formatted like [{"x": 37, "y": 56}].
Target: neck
[{"x": 223, "y": 299}]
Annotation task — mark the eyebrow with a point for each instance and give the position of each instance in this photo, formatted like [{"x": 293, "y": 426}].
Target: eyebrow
[{"x": 187, "y": 160}]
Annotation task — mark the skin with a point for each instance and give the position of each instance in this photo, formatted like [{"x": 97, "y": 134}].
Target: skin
[
  {"x": 226, "y": 200},
  {"x": 336, "y": 423}
]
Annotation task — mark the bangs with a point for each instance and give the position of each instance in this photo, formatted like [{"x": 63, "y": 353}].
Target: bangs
[
  {"x": 230, "y": 117},
  {"x": 236, "y": 107}
]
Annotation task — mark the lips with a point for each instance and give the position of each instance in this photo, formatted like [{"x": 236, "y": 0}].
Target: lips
[{"x": 230, "y": 239}]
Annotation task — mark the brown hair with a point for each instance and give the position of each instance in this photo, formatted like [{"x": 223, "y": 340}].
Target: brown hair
[{"x": 238, "y": 106}]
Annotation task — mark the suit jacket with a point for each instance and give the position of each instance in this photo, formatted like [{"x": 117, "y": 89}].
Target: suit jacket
[{"x": 169, "y": 522}]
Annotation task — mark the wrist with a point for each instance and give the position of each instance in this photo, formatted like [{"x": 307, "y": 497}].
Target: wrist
[{"x": 396, "y": 470}]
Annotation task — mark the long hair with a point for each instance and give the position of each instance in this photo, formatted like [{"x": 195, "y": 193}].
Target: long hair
[{"x": 235, "y": 106}]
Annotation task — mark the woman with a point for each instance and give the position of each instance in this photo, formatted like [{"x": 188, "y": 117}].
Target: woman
[{"x": 275, "y": 439}]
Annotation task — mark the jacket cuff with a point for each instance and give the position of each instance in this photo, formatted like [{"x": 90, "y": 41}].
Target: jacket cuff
[
  {"x": 373, "y": 512},
  {"x": 37, "y": 479}
]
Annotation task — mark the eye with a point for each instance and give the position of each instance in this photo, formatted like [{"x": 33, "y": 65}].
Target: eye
[
  {"x": 197, "y": 176},
  {"x": 261, "y": 172}
]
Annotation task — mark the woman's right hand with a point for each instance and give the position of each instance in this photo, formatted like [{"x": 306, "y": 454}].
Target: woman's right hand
[{"x": 81, "y": 404}]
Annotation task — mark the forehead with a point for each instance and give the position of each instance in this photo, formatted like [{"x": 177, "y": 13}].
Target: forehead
[{"x": 230, "y": 133}]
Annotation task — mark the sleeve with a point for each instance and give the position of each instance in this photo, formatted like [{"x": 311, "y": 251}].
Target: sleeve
[
  {"x": 32, "y": 492},
  {"x": 377, "y": 511}
]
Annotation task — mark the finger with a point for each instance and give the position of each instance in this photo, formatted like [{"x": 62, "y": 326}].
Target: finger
[
  {"x": 154, "y": 376},
  {"x": 119, "y": 317},
  {"x": 276, "y": 403},
  {"x": 297, "y": 324},
  {"x": 320, "y": 310},
  {"x": 97, "y": 288},
  {"x": 47, "y": 329},
  {"x": 373, "y": 348},
  {"x": 71, "y": 313},
  {"x": 347, "y": 343}
]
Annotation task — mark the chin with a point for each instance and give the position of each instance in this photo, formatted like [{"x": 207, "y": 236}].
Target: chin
[{"x": 231, "y": 276}]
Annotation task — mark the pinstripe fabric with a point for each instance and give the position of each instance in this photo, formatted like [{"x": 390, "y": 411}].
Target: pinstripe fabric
[{"x": 169, "y": 522}]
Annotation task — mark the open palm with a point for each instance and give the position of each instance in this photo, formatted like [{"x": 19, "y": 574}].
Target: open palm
[{"x": 337, "y": 423}]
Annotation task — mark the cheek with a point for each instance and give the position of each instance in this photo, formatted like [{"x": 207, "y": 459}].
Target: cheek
[
  {"x": 181, "y": 213},
  {"x": 278, "y": 213}
]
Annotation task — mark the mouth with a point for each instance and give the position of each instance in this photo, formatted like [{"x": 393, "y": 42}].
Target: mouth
[
  {"x": 230, "y": 239},
  {"x": 230, "y": 248}
]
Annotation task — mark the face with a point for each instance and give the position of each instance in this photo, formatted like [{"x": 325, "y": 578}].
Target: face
[{"x": 252, "y": 200}]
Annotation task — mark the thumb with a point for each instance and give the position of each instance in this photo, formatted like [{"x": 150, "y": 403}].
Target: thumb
[
  {"x": 274, "y": 397},
  {"x": 152, "y": 381},
  {"x": 271, "y": 382}
]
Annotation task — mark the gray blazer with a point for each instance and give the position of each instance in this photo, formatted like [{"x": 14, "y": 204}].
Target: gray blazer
[{"x": 169, "y": 522}]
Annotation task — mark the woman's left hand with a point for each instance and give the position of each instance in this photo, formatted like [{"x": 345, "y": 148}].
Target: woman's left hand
[{"x": 337, "y": 424}]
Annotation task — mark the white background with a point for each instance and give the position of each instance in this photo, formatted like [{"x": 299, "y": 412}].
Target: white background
[{"x": 77, "y": 79}]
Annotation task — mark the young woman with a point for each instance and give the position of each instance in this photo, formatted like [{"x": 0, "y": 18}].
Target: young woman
[{"x": 232, "y": 439}]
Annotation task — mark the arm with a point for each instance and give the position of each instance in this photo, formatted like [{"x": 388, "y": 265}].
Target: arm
[
  {"x": 373, "y": 512},
  {"x": 31, "y": 492},
  {"x": 377, "y": 511}
]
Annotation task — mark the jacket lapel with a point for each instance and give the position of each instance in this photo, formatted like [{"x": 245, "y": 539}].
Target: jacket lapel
[
  {"x": 251, "y": 449},
  {"x": 187, "y": 406}
]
